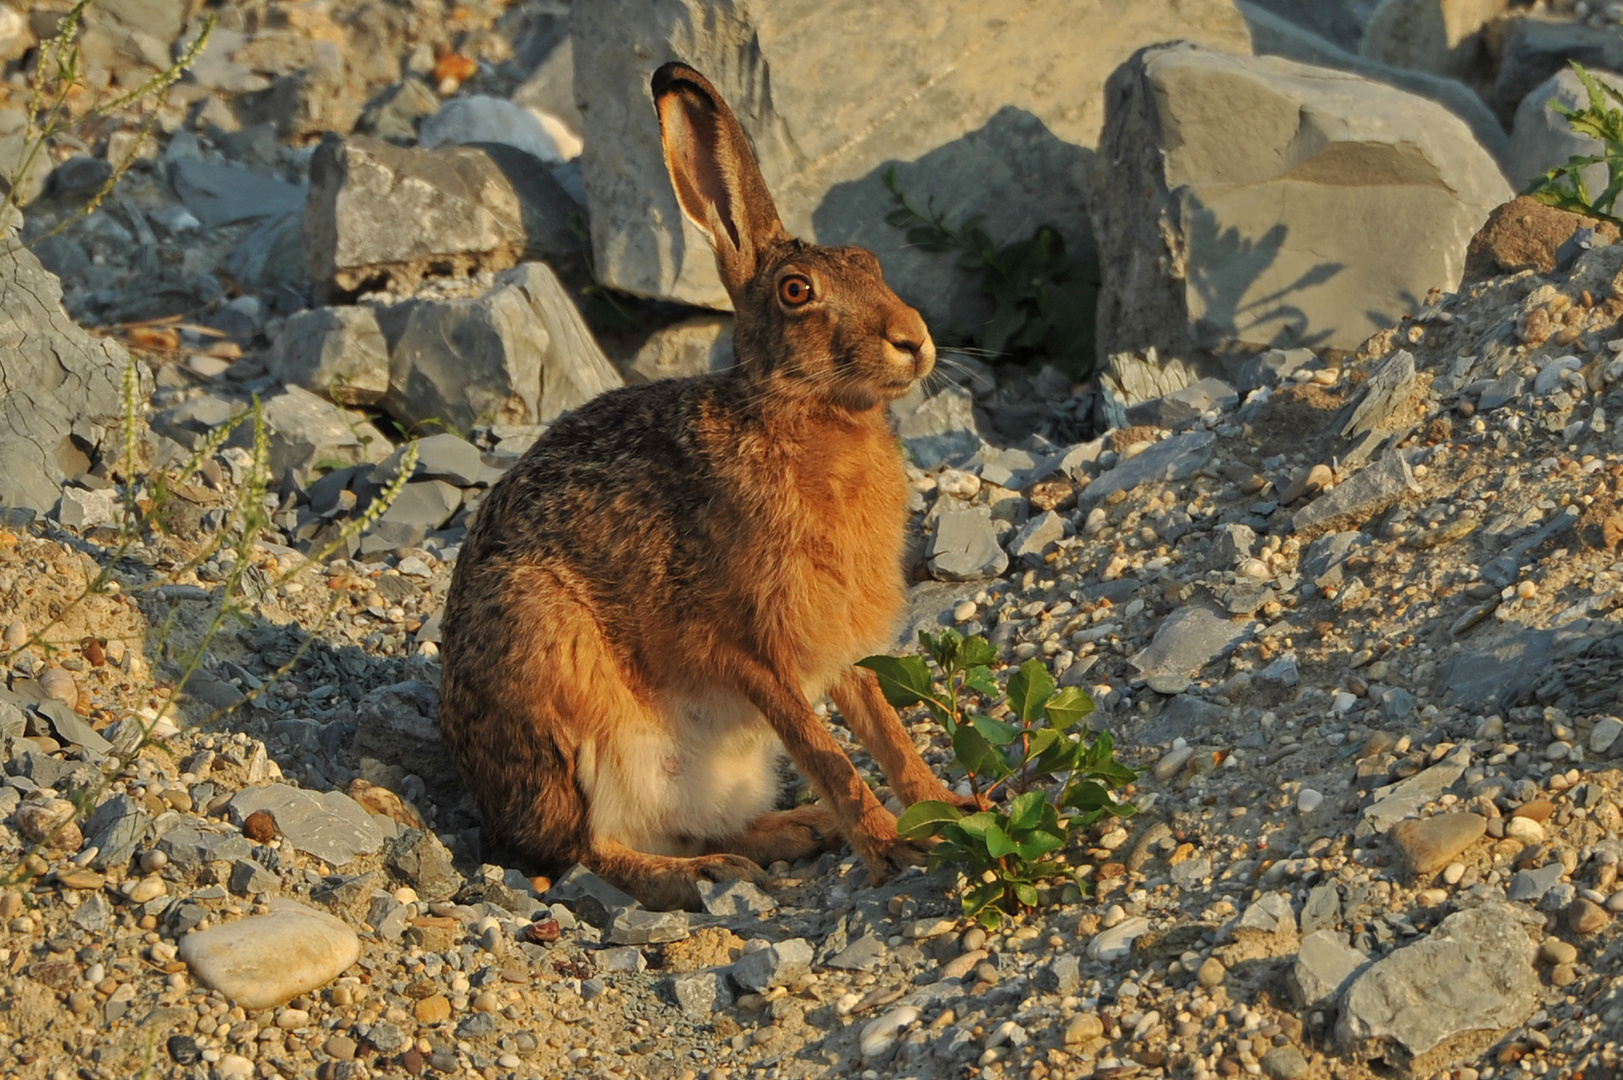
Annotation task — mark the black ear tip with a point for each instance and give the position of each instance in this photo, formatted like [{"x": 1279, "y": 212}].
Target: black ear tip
[{"x": 673, "y": 72}]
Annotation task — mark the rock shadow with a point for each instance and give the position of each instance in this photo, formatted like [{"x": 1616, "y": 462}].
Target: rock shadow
[
  {"x": 1012, "y": 172},
  {"x": 1226, "y": 270}
]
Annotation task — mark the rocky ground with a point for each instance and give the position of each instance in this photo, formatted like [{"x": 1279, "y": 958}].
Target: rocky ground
[{"x": 1353, "y": 614}]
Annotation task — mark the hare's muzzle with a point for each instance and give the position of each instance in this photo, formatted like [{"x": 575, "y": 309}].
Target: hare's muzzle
[{"x": 908, "y": 348}]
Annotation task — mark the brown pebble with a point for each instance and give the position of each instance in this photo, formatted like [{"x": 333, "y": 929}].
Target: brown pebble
[
  {"x": 414, "y": 1061},
  {"x": 1082, "y": 1027},
  {"x": 80, "y": 879},
  {"x": 1538, "y": 810},
  {"x": 1586, "y": 916},
  {"x": 1556, "y": 951},
  {"x": 432, "y": 1010},
  {"x": 1563, "y": 975},
  {"x": 542, "y": 931},
  {"x": 1429, "y": 844},
  {"x": 260, "y": 827}
]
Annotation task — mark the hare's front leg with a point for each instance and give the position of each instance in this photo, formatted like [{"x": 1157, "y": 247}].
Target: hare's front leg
[
  {"x": 876, "y": 726},
  {"x": 869, "y": 826}
]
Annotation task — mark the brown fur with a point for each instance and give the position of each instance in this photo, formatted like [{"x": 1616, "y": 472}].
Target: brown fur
[{"x": 671, "y": 558}]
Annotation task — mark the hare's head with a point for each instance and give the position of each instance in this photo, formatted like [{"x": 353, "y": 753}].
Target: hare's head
[{"x": 817, "y": 322}]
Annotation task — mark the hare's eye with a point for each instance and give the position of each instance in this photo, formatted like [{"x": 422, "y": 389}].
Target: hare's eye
[{"x": 794, "y": 290}]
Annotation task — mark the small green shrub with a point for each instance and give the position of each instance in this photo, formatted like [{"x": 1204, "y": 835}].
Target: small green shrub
[
  {"x": 1042, "y": 300},
  {"x": 1563, "y": 186},
  {"x": 1062, "y": 781}
]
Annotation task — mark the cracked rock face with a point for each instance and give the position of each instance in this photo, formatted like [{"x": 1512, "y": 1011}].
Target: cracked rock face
[{"x": 61, "y": 399}]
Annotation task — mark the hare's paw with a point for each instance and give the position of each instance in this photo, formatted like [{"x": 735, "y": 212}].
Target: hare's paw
[
  {"x": 719, "y": 868},
  {"x": 887, "y": 856}
]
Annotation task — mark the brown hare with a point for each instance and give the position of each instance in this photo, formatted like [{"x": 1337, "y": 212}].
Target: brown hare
[{"x": 649, "y": 603}]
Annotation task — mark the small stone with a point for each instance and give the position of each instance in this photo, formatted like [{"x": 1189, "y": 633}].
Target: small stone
[
  {"x": 1061, "y": 975},
  {"x": 266, "y": 960},
  {"x": 1524, "y": 829},
  {"x": 1082, "y": 1027},
  {"x": 1604, "y": 734},
  {"x": 1427, "y": 844},
  {"x": 58, "y": 684},
  {"x": 340, "y": 1047},
  {"x": 1556, "y": 951},
  {"x": 1211, "y": 973},
  {"x": 144, "y": 889},
  {"x": 879, "y": 1036},
  {"x": 183, "y": 1050},
  {"x": 1308, "y": 800},
  {"x": 432, "y": 1010},
  {"x": 1284, "y": 1063},
  {"x": 1587, "y": 917},
  {"x": 1117, "y": 942},
  {"x": 775, "y": 965},
  {"x": 698, "y": 994}
]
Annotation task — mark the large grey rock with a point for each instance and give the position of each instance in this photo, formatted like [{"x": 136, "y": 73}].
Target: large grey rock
[
  {"x": 1537, "y": 46},
  {"x": 418, "y": 858},
  {"x": 480, "y": 118},
  {"x": 1442, "y": 36},
  {"x": 118, "y": 33},
  {"x": 695, "y": 346},
  {"x": 306, "y": 431},
  {"x": 379, "y": 212},
  {"x": 1291, "y": 38},
  {"x": 1248, "y": 222},
  {"x": 775, "y": 965},
  {"x": 1339, "y": 22},
  {"x": 338, "y": 352},
  {"x": 851, "y": 92},
  {"x": 219, "y": 194},
  {"x": 61, "y": 397},
  {"x": 1325, "y": 965},
  {"x": 519, "y": 354},
  {"x": 1434, "y": 1003},
  {"x": 1541, "y": 138},
  {"x": 936, "y": 428}
]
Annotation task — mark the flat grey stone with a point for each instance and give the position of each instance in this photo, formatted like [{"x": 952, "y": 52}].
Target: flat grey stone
[
  {"x": 1191, "y": 874},
  {"x": 1061, "y": 975},
  {"x": 1429, "y": 1005},
  {"x": 1187, "y": 640},
  {"x": 1035, "y": 537},
  {"x": 439, "y": 457},
  {"x": 94, "y": 914},
  {"x": 329, "y": 825},
  {"x": 965, "y": 546},
  {"x": 1176, "y": 458},
  {"x": 218, "y": 194},
  {"x": 1404, "y": 799},
  {"x": 71, "y": 727},
  {"x": 863, "y": 954},
  {"x": 589, "y": 896},
  {"x": 116, "y": 828},
  {"x": 418, "y": 858},
  {"x": 1507, "y": 388},
  {"x": 1322, "y": 911},
  {"x": 189, "y": 846},
  {"x": 734, "y": 898},
  {"x": 1322, "y": 562},
  {"x": 1324, "y": 965},
  {"x": 699, "y": 994},
  {"x": 775, "y": 965},
  {"x": 1529, "y": 886},
  {"x": 1269, "y": 369},
  {"x": 1367, "y": 493},
  {"x": 1271, "y": 913},
  {"x": 425, "y": 504},
  {"x": 1183, "y": 715},
  {"x": 1231, "y": 544},
  {"x": 249, "y": 878},
  {"x": 635, "y": 926},
  {"x": 1194, "y": 401},
  {"x": 625, "y": 958},
  {"x": 337, "y": 352},
  {"x": 1389, "y": 386}
]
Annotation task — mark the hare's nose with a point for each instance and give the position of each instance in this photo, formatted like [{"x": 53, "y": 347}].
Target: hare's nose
[{"x": 910, "y": 337}]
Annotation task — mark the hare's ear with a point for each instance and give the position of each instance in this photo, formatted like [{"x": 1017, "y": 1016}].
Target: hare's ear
[{"x": 717, "y": 181}]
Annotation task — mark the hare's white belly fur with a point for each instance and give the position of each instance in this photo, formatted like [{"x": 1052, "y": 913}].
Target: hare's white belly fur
[{"x": 706, "y": 770}]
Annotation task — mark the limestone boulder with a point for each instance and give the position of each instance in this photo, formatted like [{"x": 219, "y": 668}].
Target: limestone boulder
[
  {"x": 1448, "y": 37},
  {"x": 61, "y": 396},
  {"x": 1253, "y": 201},
  {"x": 517, "y": 354},
  {"x": 1541, "y": 138},
  {"x": 986, "y": 108}
]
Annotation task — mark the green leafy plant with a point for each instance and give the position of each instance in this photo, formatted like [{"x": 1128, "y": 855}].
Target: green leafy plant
[
  {"x": 1042, "y": 299},
  {"x": 1563, "y": 186},
  {"x": 1057, "y": 780}
]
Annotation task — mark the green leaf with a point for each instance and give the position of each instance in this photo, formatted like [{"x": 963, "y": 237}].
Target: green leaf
[
  {"x": 1052, "y": 753},
  {"x": 975, "y": 753},
  {"x": 1069, "y": 707},
  {"x": 975, "y": 825},
  {"x": 976, "y": 651},
  {"x": 943, "y": 647},
  {"x": 924, "y": 819},
  {"x": 981, "y": 680},
  {"x": 996, "y": 732},
  {"x": 1029, "y": 690},
  {"x": 1025, "y": 893},
  {"x": 904, "y": 680},
  {"x": 998, "y": 843},
  {"x": 1025, "y": 812},
  {"x": 1040, "y": 843}
]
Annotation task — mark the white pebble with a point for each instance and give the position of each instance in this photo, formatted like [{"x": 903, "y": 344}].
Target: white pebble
[
  {"x": 964, "y": 612},
  {"x": 1309, "y": 800},
  {"x": 880, "y": 1035}
]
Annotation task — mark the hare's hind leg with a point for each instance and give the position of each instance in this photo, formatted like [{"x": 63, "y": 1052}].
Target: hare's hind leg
[
  {"x": 666, "y": 882},
  {"x": 789, "y": 835}
]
